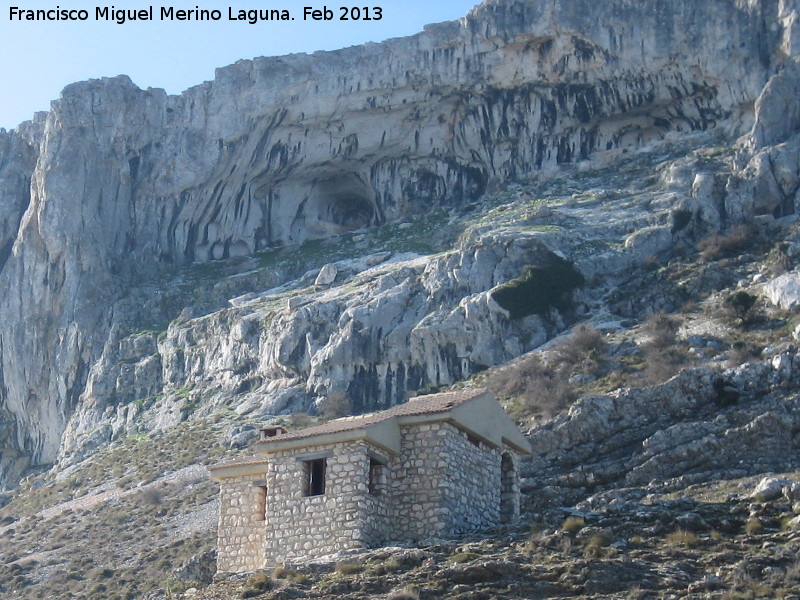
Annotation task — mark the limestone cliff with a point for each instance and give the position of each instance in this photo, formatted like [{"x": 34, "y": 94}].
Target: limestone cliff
[{"x": 117, "y": 187}]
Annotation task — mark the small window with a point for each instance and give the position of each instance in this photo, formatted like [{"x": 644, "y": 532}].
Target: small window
[
  {"x": 314, "y": 477},
  {"x": 377, "y": 477}
]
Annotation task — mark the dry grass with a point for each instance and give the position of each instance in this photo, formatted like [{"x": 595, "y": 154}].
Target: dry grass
[
  {"x": 753, "y": 526},
  {"x": 733, "y": 242},
  {"x": 573, "y": 524},
  {"x": 681, "y": 537},
  {"x": 542, "y": 389}
]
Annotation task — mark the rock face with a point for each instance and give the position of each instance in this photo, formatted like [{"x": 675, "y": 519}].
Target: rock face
[
  {"x": 117, "y": 185},
  {"x": 699, "y": 426}
]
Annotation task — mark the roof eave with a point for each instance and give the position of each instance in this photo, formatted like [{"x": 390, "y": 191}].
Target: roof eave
[
  {"x": 383, "y": 434},
  {"x": 228, "y": 470}
]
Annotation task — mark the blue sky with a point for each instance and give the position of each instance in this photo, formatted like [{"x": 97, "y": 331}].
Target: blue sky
[{"x": 40, "y": 58}]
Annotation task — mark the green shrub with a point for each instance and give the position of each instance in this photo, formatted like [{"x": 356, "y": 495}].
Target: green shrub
[
  {"x": 739, "y": 305},
  {"x": 540, "y": 288}
]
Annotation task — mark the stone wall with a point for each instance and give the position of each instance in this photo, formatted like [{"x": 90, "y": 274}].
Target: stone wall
[
  {"x": 377, "y": 521},
  {"x": 299, "y": 527},
  {"x": 240, "y": 537},
  {"x": 444, "y": 484},
  {"x": 471, "y": 482},
  {"x": 416, "y": 498}
]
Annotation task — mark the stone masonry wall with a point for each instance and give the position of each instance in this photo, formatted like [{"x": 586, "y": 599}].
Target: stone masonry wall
[
  {"x": 417, "y": 510},
  {"x": 300, "y": 527},
  {"x": 471, "y": 482},
  {"x": 377, "y": 521},
  {"x": 443, "y": 484},
  {"x": 240, "y": 537}
]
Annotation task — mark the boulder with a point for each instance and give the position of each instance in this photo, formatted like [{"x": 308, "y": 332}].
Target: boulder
[{"x": 327, "y": 275}]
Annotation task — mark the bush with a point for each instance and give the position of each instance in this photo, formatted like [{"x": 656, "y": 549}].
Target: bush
[
  {"x": 742, "y": 352},
  {"x": 661, "y": 331},
  {"x": 663, "y": 365},
  {"x": 681, "y": 537},
  {"x": 680, "y": 220},
  {"x": 596, "y": 544},
  {"x": 538, "y": 388},
  {"x": 739, "y": 307},
  {"x": 585, "y": 342},
  {"x": 573, "y": 524},
  {"x": 540, "y": 288},
  {"x": 664, "y": 358},
  {"x": 349, "y": 568},
  {"x": 463, "y": 557},
  {"x": 335, "y": 406},
  {"x": 255, "y": 585},
  {"x": 149, "y": 496},
  {"x": 290, "y": 575},
  {"x": 753, "y": 526},
  {"x": 720, "y": 246}
]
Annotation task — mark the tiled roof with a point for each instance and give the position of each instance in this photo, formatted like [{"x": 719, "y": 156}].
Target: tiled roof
[{"x": 422, "y": 405}]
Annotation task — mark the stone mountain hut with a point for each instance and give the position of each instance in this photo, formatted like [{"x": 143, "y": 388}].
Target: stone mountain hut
[{"x": 436, "y": 466}]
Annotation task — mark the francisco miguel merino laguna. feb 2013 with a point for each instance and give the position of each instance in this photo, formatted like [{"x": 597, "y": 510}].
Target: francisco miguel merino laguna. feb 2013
[{"x": 170, "y": 13}]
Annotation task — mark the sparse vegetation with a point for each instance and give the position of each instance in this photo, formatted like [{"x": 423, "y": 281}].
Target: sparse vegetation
[
  {"x": 573, "y": 524},
  {"x": 595, "y": 546},
  {"x": 753, "y": 526},
  {"x": 740, "y": 307},
  {"x": 349, "y": 568},
  {"x": 718, "y": 246},
  {"x": 290, "y": 575},
  {"x": 255, "y": 585},
  {"x": 543, "y": 388},
  {"x": 681, "y": 537},
  {"x": 403, "y": 595}
]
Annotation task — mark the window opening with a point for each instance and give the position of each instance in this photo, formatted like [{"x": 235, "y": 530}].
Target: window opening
[
  {"x": 314, "y": 477},
  {"x": 377, "y": 477}
]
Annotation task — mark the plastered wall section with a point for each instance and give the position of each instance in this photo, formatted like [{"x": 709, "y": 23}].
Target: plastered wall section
[
  {"x": 241, "y": 533},
  {"x": 302, "y": 527}
]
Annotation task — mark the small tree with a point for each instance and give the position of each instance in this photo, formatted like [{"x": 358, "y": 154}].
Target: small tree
[{"x": 740, "y": 306}]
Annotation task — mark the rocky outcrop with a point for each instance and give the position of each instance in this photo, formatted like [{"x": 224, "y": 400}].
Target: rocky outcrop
[
  {"x": 406, "y": 323},
  {"x": 699, "y": 426},
  {"x": 116, "y": 185}
]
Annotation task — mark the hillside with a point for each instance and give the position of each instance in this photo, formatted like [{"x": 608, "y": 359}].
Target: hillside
[{"x": 590, "y": 209}]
